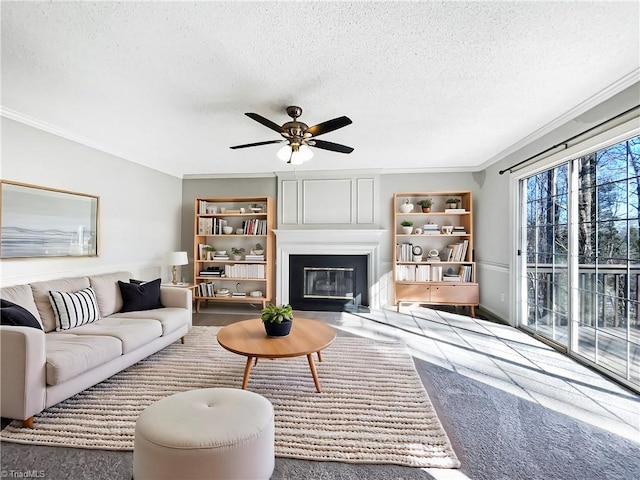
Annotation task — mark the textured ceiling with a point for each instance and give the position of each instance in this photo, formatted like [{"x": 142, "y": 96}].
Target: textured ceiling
[{"x": 428, "y": 85}]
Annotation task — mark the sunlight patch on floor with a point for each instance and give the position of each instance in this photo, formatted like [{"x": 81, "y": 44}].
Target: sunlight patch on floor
[{"x": 503, "y": 357}]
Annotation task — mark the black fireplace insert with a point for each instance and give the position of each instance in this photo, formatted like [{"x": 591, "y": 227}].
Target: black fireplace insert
[{"x": 328, "y": 282}]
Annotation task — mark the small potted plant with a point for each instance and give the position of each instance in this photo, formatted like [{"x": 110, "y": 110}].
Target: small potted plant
[
  {"x": 277, "y": 320},
  {"x": 207, "y": 252},
  {"x": 237, "y": 253},
  {"x": 426, "y": 205},
  {"x": 257, "y": 249},
  {"x": 452, "y": 202},
  {"x": 407, "y": 227}
]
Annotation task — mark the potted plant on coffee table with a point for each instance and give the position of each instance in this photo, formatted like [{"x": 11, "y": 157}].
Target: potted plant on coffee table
[{"x": 277, "y": 320}]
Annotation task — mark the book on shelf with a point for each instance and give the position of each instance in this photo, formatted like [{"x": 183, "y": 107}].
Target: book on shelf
[
  {"x": 458, "y": 251},
  {"x": 245, "y": 270},
  {"x": 205, "y": 289},
  {"x": 454, "y": 210},
  {"x": 413, "y": 273},
  {"x": 211, "y": 226},
  {"x": 255, "y": 226},
  {"x": 254, "y": 258},
  {"x": 465, "y": 273},
  {"x": 433, "y": 259},
  {"x": 436, "y": 273},
  {"x": 430, "y": 229},
  {"x": 238, "y": 295}
]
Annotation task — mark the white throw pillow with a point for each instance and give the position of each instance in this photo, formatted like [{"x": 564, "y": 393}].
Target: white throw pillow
[{"x": 73, "y": 309}]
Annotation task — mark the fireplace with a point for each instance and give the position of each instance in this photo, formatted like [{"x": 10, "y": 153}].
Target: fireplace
[
  {"x": 328, "y": 282},
  {"x": 315, "y": 243}
]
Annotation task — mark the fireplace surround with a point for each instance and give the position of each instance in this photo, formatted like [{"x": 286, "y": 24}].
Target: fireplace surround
[{"x": 328, "y": 242}]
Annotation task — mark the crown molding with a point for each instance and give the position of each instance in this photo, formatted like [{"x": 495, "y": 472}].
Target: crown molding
[
  {"x": 59, "y": 132},
  {"x": 605, "y": 94}
]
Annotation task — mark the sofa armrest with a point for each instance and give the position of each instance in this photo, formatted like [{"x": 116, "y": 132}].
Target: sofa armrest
[
  {"x": 176, "y": 297},
  {"x": 23, "y": 378}
]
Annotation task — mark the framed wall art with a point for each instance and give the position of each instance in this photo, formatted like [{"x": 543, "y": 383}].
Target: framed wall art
[{"x": 38, "y": 221}]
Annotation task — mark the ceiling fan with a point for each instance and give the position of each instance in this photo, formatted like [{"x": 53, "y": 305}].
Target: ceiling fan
[{"x": 299, "y": 136}]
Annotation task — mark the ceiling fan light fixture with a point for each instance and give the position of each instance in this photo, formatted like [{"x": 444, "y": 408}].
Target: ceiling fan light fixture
[
  {"x": 295, "y": 155},
  {"x": 284, "y": 153},
  {"x": 299, "y": 136}
]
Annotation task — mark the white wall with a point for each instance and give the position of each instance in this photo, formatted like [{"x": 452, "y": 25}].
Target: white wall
[
  {"x": 494, "y": 205},
  {"x": 140, "y": 208}
]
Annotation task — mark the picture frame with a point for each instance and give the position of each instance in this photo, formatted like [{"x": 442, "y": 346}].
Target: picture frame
[{"x": 37, "y": 221}]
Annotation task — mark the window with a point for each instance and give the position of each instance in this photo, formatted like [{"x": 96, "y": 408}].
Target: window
[{"x": 581, "y": 257}]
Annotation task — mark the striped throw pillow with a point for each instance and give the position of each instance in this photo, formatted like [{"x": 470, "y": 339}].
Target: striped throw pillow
[{"x": 73, "y": 309}]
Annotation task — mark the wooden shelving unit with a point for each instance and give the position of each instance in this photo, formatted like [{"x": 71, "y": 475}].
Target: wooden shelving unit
[
  {"x": 417, "y": 279},
  {"x": 255, "y": 217}
]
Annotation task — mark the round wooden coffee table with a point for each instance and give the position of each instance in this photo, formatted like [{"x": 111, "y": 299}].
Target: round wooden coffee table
[{"x": 249, "y": 338}]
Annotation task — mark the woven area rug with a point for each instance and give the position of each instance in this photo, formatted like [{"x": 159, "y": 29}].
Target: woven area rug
[{"x": 373, "y": 407}]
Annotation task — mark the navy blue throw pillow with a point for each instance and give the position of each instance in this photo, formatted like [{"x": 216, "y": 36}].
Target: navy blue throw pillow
[
  {"x": 14, "y": 314},
  {"x": 145, "y": 296}
]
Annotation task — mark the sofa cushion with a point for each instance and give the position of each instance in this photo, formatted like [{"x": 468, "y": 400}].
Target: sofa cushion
[
  {"x": 73, "y": 309},
  {"x": 41, "y": 290},
  {"x": 136, "y": 297},
  {"x": 133, "y": 333},
  {"x": 170, "y": 318},
  {"x": 13, "y": 314},
  {"x": 21, "y": 295},
  {"x": 107, "y": 291},
  {"x": 69, "y": 355}
]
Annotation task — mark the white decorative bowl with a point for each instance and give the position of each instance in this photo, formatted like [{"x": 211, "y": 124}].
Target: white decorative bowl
[
  {"x": 221, "y": 252},
  {"x": 227, "y": 230}
]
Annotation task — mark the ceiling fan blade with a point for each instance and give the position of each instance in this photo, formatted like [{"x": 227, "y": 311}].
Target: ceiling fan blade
[
  {"x": 256, "y": 144},
  {"x": 334, "y": 147},
  {"x": 328, "y": 126},
  {"x": 264, "y": 121}
]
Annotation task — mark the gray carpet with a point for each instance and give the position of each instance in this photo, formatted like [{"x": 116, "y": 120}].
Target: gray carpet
[{"x": 496, "y": 435}]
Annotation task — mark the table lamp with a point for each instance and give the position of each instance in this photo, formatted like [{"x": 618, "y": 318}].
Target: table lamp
[{"x": 174, "y": 259}]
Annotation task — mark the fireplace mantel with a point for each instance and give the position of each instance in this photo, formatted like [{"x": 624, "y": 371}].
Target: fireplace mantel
[{"x": 327, "y": 242}]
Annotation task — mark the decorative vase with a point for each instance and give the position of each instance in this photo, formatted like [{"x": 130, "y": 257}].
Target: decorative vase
[
  {"x": 407, "y": 230},
  {"x": 406, "y": 207},
  {"x": 277, "y": 330},
  {"x": 237, "y": 258}
]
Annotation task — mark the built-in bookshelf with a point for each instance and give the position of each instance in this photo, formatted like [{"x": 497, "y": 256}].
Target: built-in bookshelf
[
  {"x": 233, "y": 250},
  {"x": 433, "y": 249}
]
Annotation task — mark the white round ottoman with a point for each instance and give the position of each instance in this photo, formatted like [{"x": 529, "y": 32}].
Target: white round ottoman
[{"x": 212, "y": 433}]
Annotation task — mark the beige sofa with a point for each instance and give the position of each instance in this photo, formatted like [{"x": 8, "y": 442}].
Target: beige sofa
[{"x": 40, "y": 368}]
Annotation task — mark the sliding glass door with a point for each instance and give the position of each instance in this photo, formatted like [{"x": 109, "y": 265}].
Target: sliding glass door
[
  {"x": 546, "y": 252},
  {"x": 580, "y": 231}
]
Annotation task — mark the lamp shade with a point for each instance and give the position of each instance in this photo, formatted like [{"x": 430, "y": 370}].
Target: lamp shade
[{"x": 176, "y": 258}]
